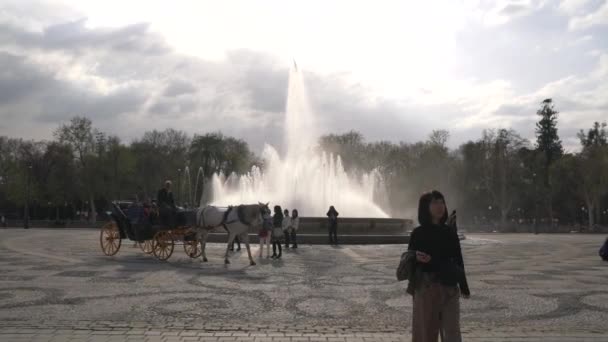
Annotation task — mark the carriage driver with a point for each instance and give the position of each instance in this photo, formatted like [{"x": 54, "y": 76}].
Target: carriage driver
[
  {"x": 166, "y": 204},
  {"x": 165, "y": 197}
]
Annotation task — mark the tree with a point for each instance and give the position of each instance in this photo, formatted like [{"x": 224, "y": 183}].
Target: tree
[
  {"x": 81, "y": 137},
  {"x": 549, "y": 144},
  {"x": 9, "y": 170},
  {"x": 349, "y": 146},
  {"x": 60, "y": 186},
  {"x": 158, "y": 156},
  {"x": 596, "y": 136},
  {"x": 593, "y": 166},
  {"x": 216, "y": 153},
  {"x": 494, "y": 171}
]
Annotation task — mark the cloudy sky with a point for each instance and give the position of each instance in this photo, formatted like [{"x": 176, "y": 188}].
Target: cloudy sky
[{"x": 393, "y": 70}]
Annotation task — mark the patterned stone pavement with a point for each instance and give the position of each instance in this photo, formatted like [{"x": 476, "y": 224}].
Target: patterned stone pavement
[{"x": 56, "y": 285}]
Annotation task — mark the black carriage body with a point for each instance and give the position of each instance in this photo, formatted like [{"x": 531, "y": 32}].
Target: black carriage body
[{"x": 137, "y": 225}]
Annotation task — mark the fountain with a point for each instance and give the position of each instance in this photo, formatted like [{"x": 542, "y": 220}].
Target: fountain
[{"x": 304, "y": 178}]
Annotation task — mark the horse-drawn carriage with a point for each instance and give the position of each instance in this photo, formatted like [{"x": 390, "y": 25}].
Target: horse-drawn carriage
[
  {"x": 143, "y": 225},
  {"x": 137, "y": 223}
]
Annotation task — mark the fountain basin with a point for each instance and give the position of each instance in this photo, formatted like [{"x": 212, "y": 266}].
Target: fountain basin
[{"x": 360, "y": 231}]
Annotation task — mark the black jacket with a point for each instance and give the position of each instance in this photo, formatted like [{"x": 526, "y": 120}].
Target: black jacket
[
  {"x": 277, "y": 220},
  {"x": 443, "y": 245},
  {"x": 332, "y": 214},
  {"x": 165, "y": 199}
]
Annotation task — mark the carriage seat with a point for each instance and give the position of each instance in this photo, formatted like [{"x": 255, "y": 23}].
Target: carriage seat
[{"x": 188, "y": 217}]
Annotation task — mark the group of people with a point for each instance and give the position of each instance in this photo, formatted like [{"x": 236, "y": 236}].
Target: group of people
[{"x": 279, "y": 228}]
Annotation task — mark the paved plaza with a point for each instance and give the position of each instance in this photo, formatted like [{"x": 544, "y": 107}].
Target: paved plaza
[{"x": 56, "y": 285}]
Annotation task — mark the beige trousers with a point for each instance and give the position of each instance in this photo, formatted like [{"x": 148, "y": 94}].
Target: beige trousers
[{"x": 436, "y": 308}]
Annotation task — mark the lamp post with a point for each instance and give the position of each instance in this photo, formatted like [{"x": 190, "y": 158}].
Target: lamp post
[{"x": 26, "y": 221}]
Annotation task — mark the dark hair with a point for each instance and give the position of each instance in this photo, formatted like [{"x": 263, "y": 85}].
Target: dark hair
[
  {"x": 424, "y": 208},
  {"x": 277, "y": 209},
  {"x": 286, "y": 211},
  {"x": 294, "y": 213}
]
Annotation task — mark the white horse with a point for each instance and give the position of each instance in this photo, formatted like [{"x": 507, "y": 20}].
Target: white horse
[{"x": 236, "y": 220}]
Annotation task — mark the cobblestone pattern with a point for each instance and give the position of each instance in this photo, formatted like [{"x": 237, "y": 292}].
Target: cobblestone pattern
[{"x": 523, "y": 286}]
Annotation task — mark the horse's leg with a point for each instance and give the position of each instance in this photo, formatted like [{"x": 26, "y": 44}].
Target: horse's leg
[
  {"x": 203, "y": 241},
  {"x": 245, "y": 237},
  {"x": 261, "y": 247},
  {"x": 231, "y": 236}
]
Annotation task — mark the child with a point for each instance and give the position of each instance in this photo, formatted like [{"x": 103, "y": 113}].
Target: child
[
  {"x": 295, "y": 224},
  {"x": 286, "y": 225}
]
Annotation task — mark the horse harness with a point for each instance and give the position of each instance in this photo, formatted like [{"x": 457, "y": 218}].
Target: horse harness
[{"x": 240, "y": 213}]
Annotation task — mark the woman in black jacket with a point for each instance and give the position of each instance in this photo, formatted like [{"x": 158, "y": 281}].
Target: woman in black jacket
[
  {"x": 441, "y": 278},
  {"x": 277, "y": 232},
  {"x": 332, "y": 217}
]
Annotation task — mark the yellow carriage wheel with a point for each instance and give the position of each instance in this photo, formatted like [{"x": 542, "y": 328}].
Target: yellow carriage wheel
[
  {"x": 162, "y": 245},
  {"x": 109, "y": 239}
]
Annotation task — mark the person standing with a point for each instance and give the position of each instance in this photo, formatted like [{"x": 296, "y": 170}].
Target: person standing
[
  {"x": 295, "y": 224},
  {"x": 166, "y": 204},
  {"x": 265, "y": 233},
  {"x": 236, "y": 241},
  {"x": 604, "y": 251},
  {"x": 438, "y": 277},
  {"x": 277, "y": 232},
  {"x": 286, "y": 225},
  {"x": 332, "y": 216}
]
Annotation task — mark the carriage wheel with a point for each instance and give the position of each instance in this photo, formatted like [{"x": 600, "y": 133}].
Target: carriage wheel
[
  {"x": 163, "y": 245},
  {"x": 109, "y": 239},
  {"x": 192, "y": 249},
  {"x": 146, "y": 246}
]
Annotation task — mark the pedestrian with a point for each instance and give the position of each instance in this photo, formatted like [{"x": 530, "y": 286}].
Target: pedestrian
[
  {"x": 277, "y": 232},
  {"x": 438, "y": 278},
  {"x": 332, "y": 216},
  {"x": 265, "y": 233},
  {"x": 286, "y": 225},
  {"x": 604, "y": 251},
  {"x": 236, "y": 241},
  {"x": 295, "y": 224}
]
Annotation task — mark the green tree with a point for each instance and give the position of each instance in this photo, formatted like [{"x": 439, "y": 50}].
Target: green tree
[
  {"x": 593, "y": 166},
  {"x": 216, "y": 153},
  {"x": 549, "y": 144},
  {"x": 80, "y": 136},
  {"x": 60, "y": 188},
  {"x": 158, "y": 156}
]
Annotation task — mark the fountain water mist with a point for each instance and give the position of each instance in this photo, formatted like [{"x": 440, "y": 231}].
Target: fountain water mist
[
  {"x": 198, "y": 174},
  {"x": 305, "y": 179},
  {"x": 189, "y": 187}
]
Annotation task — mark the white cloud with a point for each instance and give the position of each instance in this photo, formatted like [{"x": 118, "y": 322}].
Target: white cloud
[
  {"x": 572, "y": 7},
  {"x": 202, "y": 66},
  {"x": 595, "y": 18},
  {"x": 505, "y": 11}
]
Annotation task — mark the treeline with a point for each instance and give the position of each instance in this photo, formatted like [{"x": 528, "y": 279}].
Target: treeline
[
  {"x": 499, "y": 178},
  {"x": 82, "y": 169}
]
